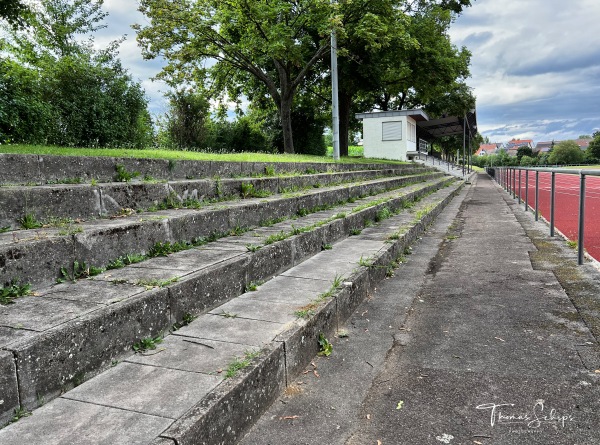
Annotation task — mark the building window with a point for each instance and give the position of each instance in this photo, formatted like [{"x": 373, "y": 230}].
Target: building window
[
  {"x": 412, "y": 132},
  {"x": 423, "y": 146},
  {"x": 391, "y": 131}
]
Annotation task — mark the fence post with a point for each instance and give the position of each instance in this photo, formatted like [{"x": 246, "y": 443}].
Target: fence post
[
  {"x": 537, "y": 194},
  {"x": 581, "y": 219},
  {"x": 526, "y": 189},
  {"x": 552, "y": 196},
  {"x": 519, "y": 196},
  {"x": 514, "y": 183}
]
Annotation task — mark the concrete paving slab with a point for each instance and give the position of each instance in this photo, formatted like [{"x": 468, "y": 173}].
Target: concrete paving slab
[
  {"x": 292, "y": 284},
  {"x": 233, "y": 330},
  {"x": 187, "y": 261},
  {"x": 277, "y": 312},
  {"x": 9, "y": 335},
  {"x": 326, "y": 272},
  {"x": 133, "y": 275},
  {"x": 160, "y": 391},
  {"x": 70, "y": 422},
  {"x": 219, "y": 245},
  {"x": 285, "y": 292},
  {"x": 191, "y": 354},
  {"x": 90, "y": 291},
  {"x": 331, "y": 263},
  {"x": 42, "y": 313}
]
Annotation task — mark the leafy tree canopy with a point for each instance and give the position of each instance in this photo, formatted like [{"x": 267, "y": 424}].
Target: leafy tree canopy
[
  {"x": 566, "y": 152},
  {"x": 13, "y": 11},
  {"x": 593, "y": 150},
  {"x": 57, "y": 89},
  {"x": 524, "y": 151},
  {"x": 276, "y": 43}
]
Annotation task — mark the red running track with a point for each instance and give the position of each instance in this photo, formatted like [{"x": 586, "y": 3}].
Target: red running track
[{"x": 566, "y": 211}]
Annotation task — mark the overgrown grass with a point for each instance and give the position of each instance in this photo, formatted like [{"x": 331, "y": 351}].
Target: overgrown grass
[
  {"x": 353, "y": 150},
  {"x": 186, "y": 155}
]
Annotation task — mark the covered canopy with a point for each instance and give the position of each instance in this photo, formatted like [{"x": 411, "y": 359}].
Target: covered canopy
[{"x": 448, "y": 126}]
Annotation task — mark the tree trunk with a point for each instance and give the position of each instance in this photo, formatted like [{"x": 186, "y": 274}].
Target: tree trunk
[
  {"x": 345, "y": 101},
  {"x": 285, "y": 112}
]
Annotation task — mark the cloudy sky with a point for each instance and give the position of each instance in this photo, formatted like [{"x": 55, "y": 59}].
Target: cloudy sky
[{"x": 535, "y": 66}]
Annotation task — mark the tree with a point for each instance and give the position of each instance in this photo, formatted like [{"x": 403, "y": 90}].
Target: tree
[
  {"x": 593, "y": 150},
  {"x": 371, "y": 29},
  {"x": 13, "y": 11},
  {"x": 187, "y": 119},
  {"x": 79, "y": 96},
  {"x": 566, "y": 152},
  {"x": 52, "y": 29},
  {"x": 524, "y": 151},
  {"x": 276, "y": 43}
]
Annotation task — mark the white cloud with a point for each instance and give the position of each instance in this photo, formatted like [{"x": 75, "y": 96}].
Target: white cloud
[{"x": 535, "y": 66}]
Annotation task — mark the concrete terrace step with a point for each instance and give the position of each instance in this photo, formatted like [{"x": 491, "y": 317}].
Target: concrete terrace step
[
  {"x": 58, "y": 203},
  {"x": 37, "y": 256},
  {"x": 73, "y": 330},
  {"x": 178, "y": 394},
  {"x": 47, "y": 169}
]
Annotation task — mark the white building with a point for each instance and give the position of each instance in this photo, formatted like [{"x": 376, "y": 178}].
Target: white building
[{"x": 392, "y": 134}]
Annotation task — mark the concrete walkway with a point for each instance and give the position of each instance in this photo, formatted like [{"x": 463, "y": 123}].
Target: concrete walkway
[{"x": 493, "y": 341}]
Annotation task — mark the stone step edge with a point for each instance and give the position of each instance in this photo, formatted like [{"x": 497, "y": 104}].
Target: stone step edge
[
  {"x": 97, "y": 245},
  {"x": 83, "y": 201},
  {"x": 42, "y": 359},
  {"x": 228, "y": 412},
  {"x": 31, "y": 168}
]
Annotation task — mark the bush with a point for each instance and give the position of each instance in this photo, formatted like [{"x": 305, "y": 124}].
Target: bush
[
  {"x": 527, "y": 161},
  {"x": 186, "y": 121},
  {"x": 238, "y": 136}
]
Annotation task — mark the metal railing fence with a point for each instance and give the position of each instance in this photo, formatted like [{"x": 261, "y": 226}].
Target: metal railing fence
[{"x": 510, "y": 179}]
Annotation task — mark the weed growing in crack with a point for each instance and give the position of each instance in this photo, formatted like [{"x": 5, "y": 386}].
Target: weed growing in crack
[
  {"x": 18, "y": 414},
  {"x": 252, "y": 247},
  {"x": 80, "y": 270},
  {"x": 29, "y": 221},
  {"x": 240, "y": 363},
  {"x": 123, "y": 175},
  {"x": 325, "y": 347},
  {"x": 186, "y": 320},
  {"x": 253, "y": 286},
  {"x": 12, "y": 291},
  {"x": 147, "y": 343}
]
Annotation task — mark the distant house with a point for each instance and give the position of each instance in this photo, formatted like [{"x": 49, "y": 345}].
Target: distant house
[
  {"x": 487, "y": 149},
  {"x": 583, "y": 143},
  {"x": 513, "y": 145},
  {"x": 544, "y": 147},
  {"x": 516, "y": 143}
]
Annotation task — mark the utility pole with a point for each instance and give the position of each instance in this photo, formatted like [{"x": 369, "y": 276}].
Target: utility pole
[
  {"x": 464, "y": 143},
  {"x": 335, "y": 114}
]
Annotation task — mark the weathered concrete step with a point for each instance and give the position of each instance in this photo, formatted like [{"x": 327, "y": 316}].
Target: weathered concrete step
[
  {"x": 177, "y": 393},
  {"x": 73, "y": 330},
  {"x": 44, "y": 169},
  {"x": 37, "y": 256},
  {"x": 52, "y": 204}
]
